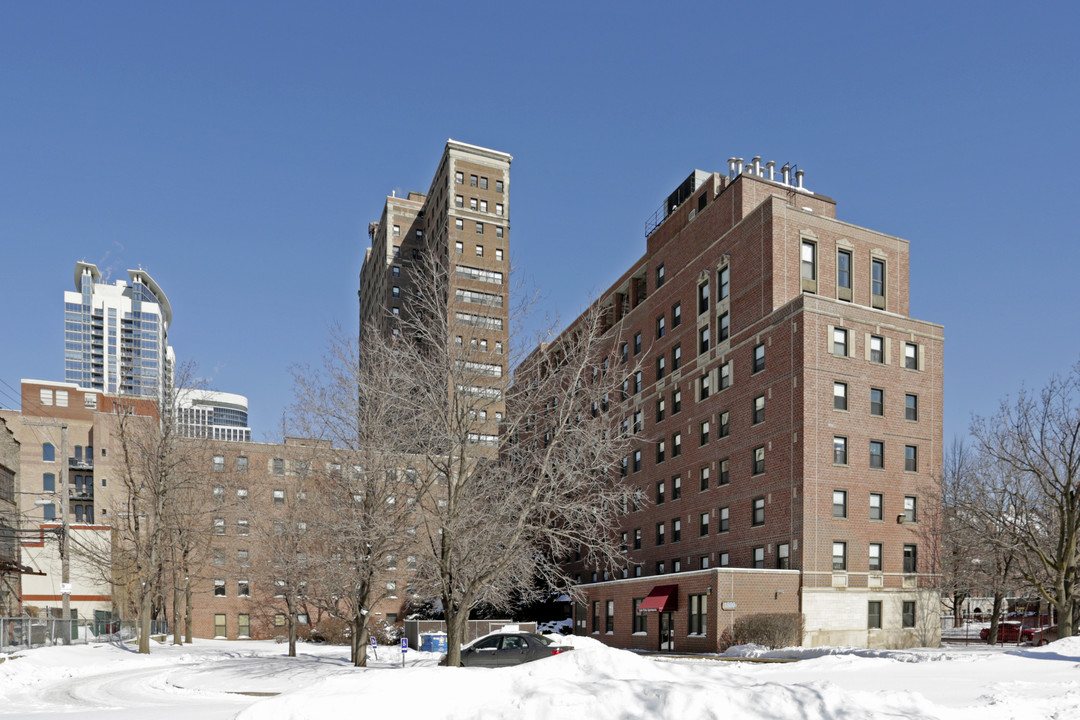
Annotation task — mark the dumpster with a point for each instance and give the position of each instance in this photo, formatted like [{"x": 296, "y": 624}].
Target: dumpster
[{"x": 433, "y": 642}]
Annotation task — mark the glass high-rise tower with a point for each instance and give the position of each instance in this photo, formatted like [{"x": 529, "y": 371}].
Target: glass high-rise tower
[{"x": 116, "y": 335}]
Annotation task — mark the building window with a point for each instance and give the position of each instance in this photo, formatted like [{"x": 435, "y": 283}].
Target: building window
[
  {"x": 219, "y": 588},
  {"x": 877, "y": 283},
  {"x": 243, "y": 588},
  {"x": 479, "y": 251},
  {"x": 873, "y": 615},
  {"x": 659, "y": 533},
  {"x": 843, "y": 273},
  {"x": 242, "y": 557},
  {"x": 877, "y": 401},
  {"x": 676, "y": 315},
  {"x": 676, "y": 357},
  {"x": 637, "y": 461},
  {"x": 759, "y": 358},
  {"x": 48, "y": 482},
  {"x": 219, "y": 557},
  {"x": 279, "y": 466},
  {"x": 908, "y": 618},
  {"x": 396, "y": 271},
  {"x": 839, "y": 396},
  {"x": 219, "y": 625},
  {"x": 699, "y": 611},
  {"x": 279, "y": 497},
  {"x": 911, "y": 356},
  {"x": 910, "y": 514},
  {"x": 395, "y": 292},
  {"x": 499, "y": 210},
  {"x": 624, "y": 352},
  {"x": 637, "y": 382},
  {"x": 704, "y": 383},
  {"x": 875, "y": 557},
  {"x": 640, "y": 618},
  {"x": 725, "y": 425},
  {"x": 637, "y": 538},
  {"x": 676, "y": 530},
  {"x": 723, "y": 277},
  {"x": 459, "y": 201},
  {"x": 637, "y": 343},
  {"x": 877, "y": 454},
  {"x": 911, "y": 407},
  {"x": 758, "y": 415},
  {"x": 725, "y": 375},
  {"x": 703, "y": 477},
  {"x": 241, "y": 494},
  {"x": 876, "y": 503},
  {"x": 661, "y": 367},
  {"x": 661, "y": 323},
  {"x": 243, "y": 625},
  {"x": 725, "y": 477},
  {"x": 723, "y": 521},
  {"x": 479, "y": 228},
  {"x": 473, "y": 181},
  {"x": 724, "y": 559},
  {"x": 660, "y": 275},
  {"x": 459, "y": 246},
  {"x": 596, "y": 616},
  {"x": 397, "y": 232},
  {"x": 624, "y": 466},
  {"x": 705, "y": 432},
  {"x": 660, "y": 567},
  {"x": 809, "y": 261},
  {"x": 660, "y": 409},
  {"x": 840, "y": 346},
  {"x": 757, "y": 516},
  {"x": 676, "y": 444},
  {"x": 911, "y": 458},
  {"x": 483, "y": 206},
  {"x": 703, "y": 339},
  {"x": 703, "y": 297},
  {"x": 48, "y": 452},
  {"x": 703, "y": 524},
  {"x": 660, "y": 447},
  {"x": 759, "y": 461},
  {"x": 609, "y": 617},
  {"x": 877, "y": 349},
  {"x": 910, "y": 558},
  {"x": 724, "y": 324},
  {"x": 759, "y": 558},
  {"x": 783, "y": 556},
  {"x": 219, "y": 463},
  {"x": 459, "y": 178},
  {"x": 839, "y": 450},
  {"x": 219, "y": 526},
  {"x": 839, "y": 556},
  {"x": 676, "y": 487},
  {"x": 839, "y": 504},
  {"x": 483, "y": 183}
]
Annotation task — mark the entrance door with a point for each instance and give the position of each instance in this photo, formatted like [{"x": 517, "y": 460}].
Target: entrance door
[{"x": 667, "y": 631}]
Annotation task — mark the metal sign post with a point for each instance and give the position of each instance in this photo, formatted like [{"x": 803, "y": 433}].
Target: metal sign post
[
  {"x": 375, "y": 647},
  {"x": 404, "y": 649}
]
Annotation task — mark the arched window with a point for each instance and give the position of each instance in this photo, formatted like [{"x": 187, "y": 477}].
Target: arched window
[{"x": 48, "y": 452}]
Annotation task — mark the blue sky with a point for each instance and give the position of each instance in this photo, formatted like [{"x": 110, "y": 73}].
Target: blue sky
[{"x": 238, "y": 150}]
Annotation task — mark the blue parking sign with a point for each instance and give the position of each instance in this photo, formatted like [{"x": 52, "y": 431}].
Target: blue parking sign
[
  {"x": 404, "y": 644},
  {"x": 373, "y": 642}
]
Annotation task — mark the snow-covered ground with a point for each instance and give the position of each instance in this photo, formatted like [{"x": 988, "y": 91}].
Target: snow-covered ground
[{"x": 206, "y": 681}]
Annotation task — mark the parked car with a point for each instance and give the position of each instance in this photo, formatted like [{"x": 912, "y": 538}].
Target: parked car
[
  {"x": 1009, "y": 631},
  {"x": 505, "y": 649}
]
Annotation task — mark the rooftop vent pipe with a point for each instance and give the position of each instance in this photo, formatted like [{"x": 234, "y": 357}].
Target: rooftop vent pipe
[
  {"x": 771, "y": 167},
  {"x": 785, "y": 174},
  {"x": 798, "y": 179},
  {"x": 738, "y": 166},
  {"x": 757, "y": 165},
  {"x": 731, "y": 167}
]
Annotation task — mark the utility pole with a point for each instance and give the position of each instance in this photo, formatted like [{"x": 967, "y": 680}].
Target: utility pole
[{"x": 65, "y": 554}]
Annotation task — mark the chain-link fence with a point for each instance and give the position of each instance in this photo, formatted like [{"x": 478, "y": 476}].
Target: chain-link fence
[{"x": 24, "y": 632}]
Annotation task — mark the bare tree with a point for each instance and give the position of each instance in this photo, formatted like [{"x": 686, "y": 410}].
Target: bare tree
[
  {"x": 1035, "y": 441},
  {"x": 523, "y": 468},
  {"x": 365, "y": 482}
]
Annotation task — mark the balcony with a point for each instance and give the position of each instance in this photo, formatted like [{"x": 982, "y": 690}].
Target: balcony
[{"x": 81, "y": 464}]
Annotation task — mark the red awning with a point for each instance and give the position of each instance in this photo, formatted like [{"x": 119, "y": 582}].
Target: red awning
[{"x": 663, "y": 598}]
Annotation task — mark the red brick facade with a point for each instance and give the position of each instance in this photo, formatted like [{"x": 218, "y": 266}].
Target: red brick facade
[{"x": 732, "y": 259}]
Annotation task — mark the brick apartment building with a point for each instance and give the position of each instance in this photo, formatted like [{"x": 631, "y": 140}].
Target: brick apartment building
[
  {"x": 793, "y": 415},
  {"x": 11, "y": 567}
]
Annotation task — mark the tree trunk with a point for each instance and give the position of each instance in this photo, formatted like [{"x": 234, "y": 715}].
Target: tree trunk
[
  {"x": 455, "y": 624},
  {"x": 957, "y": 609},
  {"x": 1063, "y": 593},
  {"x": 995, "y": 613},
  {"x": 292, "y": 628},
  {"x": 188, "y": 633},
  {"x": 176, "y": 601},
  {"x": 360, "y": 641},
  {"x": 144, "y": 622}
]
